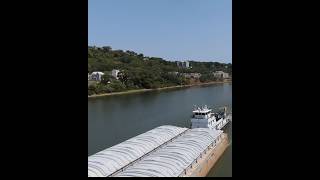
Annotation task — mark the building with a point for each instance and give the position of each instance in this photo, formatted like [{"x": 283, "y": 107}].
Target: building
[
  {"x": 191, "y": 75},
  {"x": 221, "y": 74},
  {"x": 173, "y": 73},
  {"x": 115, "y": 73},
  {"x": 183, "y": 64},
  {"x": 96, "y": 76},
  {"x": 195, "y": 75}
]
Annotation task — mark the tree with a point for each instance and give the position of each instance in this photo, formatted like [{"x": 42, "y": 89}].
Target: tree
[
  {"x": 106, "y": 78},
  {"x": 131, "y": 53},
  {"x": 106, "y": 48},
  {"x": 138, "y": 73},
  {"x": 117, "y": 85},
  {"x": 90, "y": 92},
  {"x": 140, "y": 55},
  {"x": 91, "y": 89}
]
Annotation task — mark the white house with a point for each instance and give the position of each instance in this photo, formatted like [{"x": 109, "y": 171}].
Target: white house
[
  {"x": 183, "y": 64},
  {"x": 96, "y": 76},
  {"x": 173, "y": 73},
  {"x": 221, "y": 74},
  {"x": 191, "y": 75},
  {"x": 115, "y": 73}
]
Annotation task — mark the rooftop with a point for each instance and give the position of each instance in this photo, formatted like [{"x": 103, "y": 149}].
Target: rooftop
[
  {"x": 204, "y": 109},
  {"x": 101, "y": 73}
]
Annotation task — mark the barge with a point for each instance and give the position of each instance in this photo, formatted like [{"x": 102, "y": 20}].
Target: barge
[{"x": 167, "y": 151}]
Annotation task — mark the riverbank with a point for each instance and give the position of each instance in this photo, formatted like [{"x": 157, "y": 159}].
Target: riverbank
[{"x": 157, "y": 89}]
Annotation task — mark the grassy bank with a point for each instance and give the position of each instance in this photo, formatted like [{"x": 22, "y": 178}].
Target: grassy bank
[{"x": 157, "y": 89}]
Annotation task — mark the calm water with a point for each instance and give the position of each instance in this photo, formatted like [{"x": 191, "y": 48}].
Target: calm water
[{"x": 114, "y": 119}]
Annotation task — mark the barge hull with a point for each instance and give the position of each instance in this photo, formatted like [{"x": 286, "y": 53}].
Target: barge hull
[{"x": 206, "y": 163}]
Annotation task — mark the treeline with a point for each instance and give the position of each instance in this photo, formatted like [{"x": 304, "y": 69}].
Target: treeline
[{"x": 139, "y": 71}]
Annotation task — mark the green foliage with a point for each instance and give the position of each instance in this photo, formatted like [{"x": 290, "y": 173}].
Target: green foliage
[
  {"x": 117, "y": 86},
  {"x": 207, "y": 77},
  {"x": 106, "y": 48},
  {"x": 91, "y": 89},
  {"x": 139, "y": 71},
  {"x": 106, "y": 78}
]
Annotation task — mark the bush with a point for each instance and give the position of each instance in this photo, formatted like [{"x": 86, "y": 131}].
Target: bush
[
  {"x": 92, "y": 87},
  {"x": 91, "y": 92},
  {"x": 117, "y": 86},
  {"x": 207, "y": 78}
]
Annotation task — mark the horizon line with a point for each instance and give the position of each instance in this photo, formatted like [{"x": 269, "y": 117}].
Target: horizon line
[{"x": 167, "y": 59}]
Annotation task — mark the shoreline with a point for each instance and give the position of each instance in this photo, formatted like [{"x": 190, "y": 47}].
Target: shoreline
[{"x": 157, "y": 89}]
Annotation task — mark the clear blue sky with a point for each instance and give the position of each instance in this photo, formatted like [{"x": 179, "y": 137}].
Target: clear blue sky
[{"x": 199, "y": 30}]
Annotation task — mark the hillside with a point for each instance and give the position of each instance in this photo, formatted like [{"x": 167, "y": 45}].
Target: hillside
[{"x": 139, "y": 71}]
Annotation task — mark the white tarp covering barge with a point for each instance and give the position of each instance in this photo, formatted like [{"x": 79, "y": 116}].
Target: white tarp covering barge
[
  {"x": 108, "y": 161},
  {"x": 172, "y": 159}
]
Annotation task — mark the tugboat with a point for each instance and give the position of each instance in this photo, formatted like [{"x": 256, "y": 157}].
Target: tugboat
[{"x": 203, "y": 117}]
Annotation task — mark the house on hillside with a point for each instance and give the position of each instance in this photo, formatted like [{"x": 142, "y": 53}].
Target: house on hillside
[
  {"x": 183, "y": 64},
  {"x": 173, "y": 73},
  {"x": 115, "y": 73},
  {"x": 96, "y": 76},
  {"x": 221, "y": 74},
  {"x": 191, "y": 75}
]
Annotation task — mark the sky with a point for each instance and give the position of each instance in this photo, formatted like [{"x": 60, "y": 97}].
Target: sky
[{"x": 175, "y": 30}]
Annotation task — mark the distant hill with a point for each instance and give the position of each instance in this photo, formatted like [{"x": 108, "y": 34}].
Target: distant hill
[
  {"x": 106, "y": 59},
  {"x": 140, "y": 71}
]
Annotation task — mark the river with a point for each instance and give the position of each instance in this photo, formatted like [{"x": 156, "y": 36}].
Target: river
[{"x": 114, "y": 119}]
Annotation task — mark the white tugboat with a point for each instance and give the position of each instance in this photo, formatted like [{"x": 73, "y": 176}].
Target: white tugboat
[{"x": 203, "y": 117}]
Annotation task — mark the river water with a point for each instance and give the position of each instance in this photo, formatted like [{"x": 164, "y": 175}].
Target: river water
[{"x": 114, "y": 119}]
